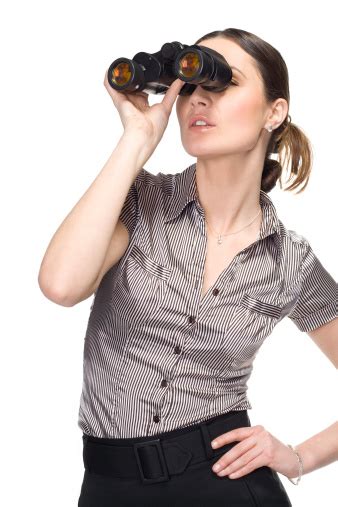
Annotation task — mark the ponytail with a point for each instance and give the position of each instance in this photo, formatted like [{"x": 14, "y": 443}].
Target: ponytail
[{"x": 291, "y": 142}]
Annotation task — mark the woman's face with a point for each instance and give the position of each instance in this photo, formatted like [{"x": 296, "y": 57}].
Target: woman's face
[{"x": 239, "y": 112}]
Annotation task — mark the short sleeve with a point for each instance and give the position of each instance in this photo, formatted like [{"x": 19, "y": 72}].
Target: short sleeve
[
  {"x": 129, "y": 214},
  {"x": 317, "y": 300}
]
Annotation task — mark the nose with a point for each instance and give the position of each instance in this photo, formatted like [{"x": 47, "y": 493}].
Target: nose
[{"x": 199, "y": 96}]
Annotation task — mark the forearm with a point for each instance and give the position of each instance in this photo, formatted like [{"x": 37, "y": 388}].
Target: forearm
[
  {"x": 319, "y": 450},
  {"x": 77, "y": 250}
]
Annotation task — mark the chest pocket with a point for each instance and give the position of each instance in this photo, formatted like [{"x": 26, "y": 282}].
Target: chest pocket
[
  {"x": 140, "y": 287},
  {"x": 258, "y": 306},
  {"x": 252, "y": 321}
]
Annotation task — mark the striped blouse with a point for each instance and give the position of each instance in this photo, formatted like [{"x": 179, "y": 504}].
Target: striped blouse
[{"x": 157, "y": 355}]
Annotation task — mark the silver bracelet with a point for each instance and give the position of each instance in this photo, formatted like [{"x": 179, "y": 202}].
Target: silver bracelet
[{"x": 300, "y": 463}]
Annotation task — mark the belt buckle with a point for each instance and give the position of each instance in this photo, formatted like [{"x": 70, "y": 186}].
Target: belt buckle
[{"x": 146, "y": 480}]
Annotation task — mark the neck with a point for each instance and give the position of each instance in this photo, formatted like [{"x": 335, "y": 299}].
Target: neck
[{"x": 230, "y": 197}]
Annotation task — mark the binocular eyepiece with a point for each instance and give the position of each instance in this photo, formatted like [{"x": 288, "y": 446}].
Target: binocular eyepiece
[{"x": 154, "y": 72}]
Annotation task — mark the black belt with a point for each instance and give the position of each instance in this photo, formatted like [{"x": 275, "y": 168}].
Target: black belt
[{"x": 156, "y": 459}]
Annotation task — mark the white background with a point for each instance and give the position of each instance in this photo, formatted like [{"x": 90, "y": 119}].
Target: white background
[{"x": 58, "y": 128}]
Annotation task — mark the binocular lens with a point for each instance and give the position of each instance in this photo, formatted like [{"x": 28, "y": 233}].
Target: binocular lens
[
  {"x": 154, "y": 72},
  {"x": 189, "y": 64},
  {"x": 121, "y": 74}
]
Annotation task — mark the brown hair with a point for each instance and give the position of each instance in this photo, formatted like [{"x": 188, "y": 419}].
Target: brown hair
[{"x": 288, "y": 137}]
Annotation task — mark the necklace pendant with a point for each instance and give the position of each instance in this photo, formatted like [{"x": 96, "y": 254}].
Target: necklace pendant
[{"x": 219, "y": 241}]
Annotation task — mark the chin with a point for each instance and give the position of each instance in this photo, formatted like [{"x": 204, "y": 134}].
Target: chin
[
  {"x": 202, "y": 155},
  {"x": 200, "y": 151}
]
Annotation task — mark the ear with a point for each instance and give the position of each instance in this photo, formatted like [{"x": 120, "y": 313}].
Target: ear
[{"x": 278, "y": 112}]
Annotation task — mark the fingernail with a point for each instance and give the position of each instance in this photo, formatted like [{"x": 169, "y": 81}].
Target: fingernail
[
  {"x": 216, "y": 467},
  {"x": 214, "y": 444}
]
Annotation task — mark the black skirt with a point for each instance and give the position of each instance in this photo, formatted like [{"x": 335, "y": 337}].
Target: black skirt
[{"x": 174, "y": 469}]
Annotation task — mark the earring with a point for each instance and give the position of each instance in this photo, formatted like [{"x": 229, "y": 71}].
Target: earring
[{"x": 269, "y": 129}]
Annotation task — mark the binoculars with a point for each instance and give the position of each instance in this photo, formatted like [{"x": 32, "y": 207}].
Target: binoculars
[{"x": 154, "y": 72}]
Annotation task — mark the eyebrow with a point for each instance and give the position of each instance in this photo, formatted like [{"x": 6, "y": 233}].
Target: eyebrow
[{"x": 238, "y": 71}]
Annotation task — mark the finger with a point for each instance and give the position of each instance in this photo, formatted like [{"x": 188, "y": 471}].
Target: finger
[
  {"x": 237, "y": 434},
  {"x": 247, "y": 469},
  {"x": 241, "y": 462},
  {"x": 139, "y": 100},
  {"x": 117, "y": 96},
  {"x": 105, "y": 81},
  {"x": 171, "y": 94},
  {"x": 235, "y": 453}
]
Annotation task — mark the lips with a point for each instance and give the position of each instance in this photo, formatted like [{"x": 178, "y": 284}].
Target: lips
[{"x": 201, "y": 117}]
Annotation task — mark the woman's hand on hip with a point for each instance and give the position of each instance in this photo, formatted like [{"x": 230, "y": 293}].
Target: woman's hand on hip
[{"x": 257, "y": 447}]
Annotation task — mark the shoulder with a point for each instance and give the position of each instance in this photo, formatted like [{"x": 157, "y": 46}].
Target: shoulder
[
  {"x": 146, "y": 178},
  {"x": 149, "y": 178},
  {"x": 300, "y": 256},
  {"x": 162, "y": 183},
  {"x": 294, "y": 243},
  {"x": 294, "y": 251},
  {"x": 293, "y": 237}
]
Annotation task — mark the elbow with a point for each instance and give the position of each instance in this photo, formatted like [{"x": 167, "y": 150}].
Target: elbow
[{"x": 53, "y": 292}]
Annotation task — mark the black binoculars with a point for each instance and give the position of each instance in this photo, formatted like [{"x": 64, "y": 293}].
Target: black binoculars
[{"x": 154, "y": 72}]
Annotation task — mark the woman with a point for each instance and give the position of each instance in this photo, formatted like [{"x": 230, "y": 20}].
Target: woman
[{"x": 191, "y": 272}]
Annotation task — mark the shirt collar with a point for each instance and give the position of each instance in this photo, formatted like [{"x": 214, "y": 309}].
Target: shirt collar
[{"x": 185, "y": 191}]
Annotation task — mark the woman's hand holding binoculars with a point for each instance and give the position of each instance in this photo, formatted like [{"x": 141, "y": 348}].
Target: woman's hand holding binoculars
[
  {"x": 141, "y": 119},
  {"x": 176, "y": 69}
]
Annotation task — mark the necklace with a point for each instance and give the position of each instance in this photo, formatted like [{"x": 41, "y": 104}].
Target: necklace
[{"x": 220, "y": 236}]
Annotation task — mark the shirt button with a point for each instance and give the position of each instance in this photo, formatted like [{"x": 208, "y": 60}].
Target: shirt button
[
  {"x": 215, "y": 292},
  {"x": 164, "y": 383},
  {"x": 191, "y": 319},
  {"x": 156, "y": 418},
  {"x": 177, "y": 350}
]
